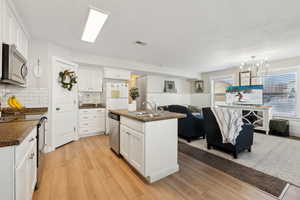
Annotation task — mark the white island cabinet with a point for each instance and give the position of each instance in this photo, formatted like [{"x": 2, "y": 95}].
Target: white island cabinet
[
  {"x": 150, "y": 146},
  {"x": 18, "y": 169}
]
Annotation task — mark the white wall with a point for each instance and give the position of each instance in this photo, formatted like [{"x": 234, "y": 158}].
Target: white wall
[
  {"x": 201, "y": 99},
  {"x": 38, "y": 50},
  {"x": 152, "y": 88},
  {"x": 155, "y": 90}
]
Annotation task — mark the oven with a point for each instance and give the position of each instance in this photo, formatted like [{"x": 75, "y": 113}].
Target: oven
[{"x": 14, "y": 66}]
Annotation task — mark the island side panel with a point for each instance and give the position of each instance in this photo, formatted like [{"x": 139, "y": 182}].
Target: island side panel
[{"x": 161, "y": 143}]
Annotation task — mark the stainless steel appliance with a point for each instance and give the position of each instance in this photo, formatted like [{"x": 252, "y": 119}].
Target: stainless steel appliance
[
  {"x": 41, "y": 143},
  {"x": 114, "y": 132},
  {"x": 14, "y": 66}
]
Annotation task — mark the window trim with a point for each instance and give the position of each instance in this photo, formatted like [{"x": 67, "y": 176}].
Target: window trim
[{"x": 212, "y": 84}]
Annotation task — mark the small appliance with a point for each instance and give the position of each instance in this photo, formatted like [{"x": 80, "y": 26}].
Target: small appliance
[{"x": 14, "y": 66}]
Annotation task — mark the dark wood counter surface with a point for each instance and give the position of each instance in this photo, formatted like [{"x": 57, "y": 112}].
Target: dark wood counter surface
[
  {"x": 13, "y": 133},
  {"x": 91, "y": 106},
  {"x": 163, "y": 116},
  {"x": 24, "y": 111}
]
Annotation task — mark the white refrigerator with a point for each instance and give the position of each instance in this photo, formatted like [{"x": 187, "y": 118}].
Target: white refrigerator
[{"x": 116, "y": 98}]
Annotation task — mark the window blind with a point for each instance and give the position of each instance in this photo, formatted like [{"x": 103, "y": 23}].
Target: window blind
[{"x": 280, "y": 93}]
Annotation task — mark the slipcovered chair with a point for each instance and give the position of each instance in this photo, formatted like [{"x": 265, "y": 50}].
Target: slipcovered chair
[{"x": 214, "y": 137}]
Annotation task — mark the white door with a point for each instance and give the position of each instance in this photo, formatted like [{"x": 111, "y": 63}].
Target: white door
[
  {"x": 64, "y": 106},
  {"x": 136, "y": 150}
]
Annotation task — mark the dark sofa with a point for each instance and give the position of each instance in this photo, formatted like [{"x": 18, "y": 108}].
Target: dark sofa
[
  {"x": 189, "y": 128},
  {"x": 214, "y": 137}
]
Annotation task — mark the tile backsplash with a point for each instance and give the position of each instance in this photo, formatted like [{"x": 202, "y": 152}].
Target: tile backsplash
[
  {"x": 28, "y": 97},
  {"x": 90, "y": 98}
]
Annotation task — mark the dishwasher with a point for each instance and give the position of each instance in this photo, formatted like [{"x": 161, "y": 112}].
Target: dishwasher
[{"x": 114, "y": 133}]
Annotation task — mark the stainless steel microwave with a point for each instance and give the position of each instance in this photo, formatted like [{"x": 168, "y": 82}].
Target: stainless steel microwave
[{"x": 14, "y": 66}]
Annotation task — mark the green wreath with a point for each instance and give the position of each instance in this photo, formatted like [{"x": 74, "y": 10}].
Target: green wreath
[{"x": 67, "y": 79}]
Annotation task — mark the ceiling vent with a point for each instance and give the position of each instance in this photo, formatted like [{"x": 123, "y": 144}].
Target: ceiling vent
[{"x": 140, "y": 43}]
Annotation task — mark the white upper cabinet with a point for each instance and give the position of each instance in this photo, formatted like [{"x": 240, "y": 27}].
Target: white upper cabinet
[
  {"x": 90, "y": 79},
  {"x": 12, "y": 30},
  {"x": 116, "y": 74}
]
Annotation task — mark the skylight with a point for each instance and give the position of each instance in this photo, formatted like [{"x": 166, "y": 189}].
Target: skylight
[{"x": 93, "y": 26}]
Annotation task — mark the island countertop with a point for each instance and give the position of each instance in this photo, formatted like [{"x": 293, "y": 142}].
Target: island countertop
[{"x": 163, "y": 116}]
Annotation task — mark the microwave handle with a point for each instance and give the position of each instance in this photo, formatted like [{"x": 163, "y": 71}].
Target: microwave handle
[{"x": 24, "y": 71}]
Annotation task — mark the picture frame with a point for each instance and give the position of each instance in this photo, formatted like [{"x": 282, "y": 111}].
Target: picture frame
[
  {"x": 245, "y": 78},
  {"x": 198, "y": 86},
  {"x": 169, "y": 87}
]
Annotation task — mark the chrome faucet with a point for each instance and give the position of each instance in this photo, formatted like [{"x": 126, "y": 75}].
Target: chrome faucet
[{"x": 154, "y": 106}]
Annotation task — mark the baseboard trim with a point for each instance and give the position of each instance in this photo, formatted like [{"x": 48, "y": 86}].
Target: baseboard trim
[
  {"x": 284, "y": 191},
  {"x": 162, "y": 174}
]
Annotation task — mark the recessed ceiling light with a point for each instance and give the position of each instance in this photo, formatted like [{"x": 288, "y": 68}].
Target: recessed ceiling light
[
  {"x": 141, "y": 43},
  {"x": 94, "y": 24}
]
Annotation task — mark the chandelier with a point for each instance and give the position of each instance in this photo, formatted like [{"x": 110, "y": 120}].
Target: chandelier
[{"x": 258, "y": 68}]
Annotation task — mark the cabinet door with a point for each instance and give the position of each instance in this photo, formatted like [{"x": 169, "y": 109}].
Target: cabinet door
[
  {"x": 13, "y": 29},
  {"x": 101, "y": 124},
  {"x": 6, "y": 18},
  {"x": 32, "y": 168},
  {"x": 82, "y": 80},
  {"x": 136, "y": 151},
  {"x": 22, "y": 181},
  {"x": 124, "y": 143},
  {"x": 97, "y": 80}
]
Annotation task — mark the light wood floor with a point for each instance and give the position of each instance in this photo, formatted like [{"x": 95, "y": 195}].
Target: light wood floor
[{"x": 88, "y": 170}]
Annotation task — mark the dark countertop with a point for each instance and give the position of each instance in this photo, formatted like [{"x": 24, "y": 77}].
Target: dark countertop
[
  {"x": 91, "y": 106},
  {"x": 164, "y": 116},
  {"x": 14, "y": 132},
  {"x": 24, "y": 111}
]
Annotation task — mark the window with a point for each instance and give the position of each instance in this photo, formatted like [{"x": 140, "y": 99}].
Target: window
[
  {"x": 219, "y": 90},
  {"x": 280, "y": 93}
]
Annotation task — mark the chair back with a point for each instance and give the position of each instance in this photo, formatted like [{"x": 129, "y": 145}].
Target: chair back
[
  {"x": 211, "y": 127},
  {"x": 179, "y": 109}
]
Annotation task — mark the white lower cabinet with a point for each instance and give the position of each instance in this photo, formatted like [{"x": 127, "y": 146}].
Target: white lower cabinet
[
  {"x": 124, "y": 142},
  {"x": 150, "y": 147},
  {"x": 136, "y": 150},
  {"x": 26, "y": 175},
  {"x": 91, "y": 121},
  {"x": 18, "y": 172},
  {"x": 132, "y": 148},
  {"x": 22, "y": 186}
]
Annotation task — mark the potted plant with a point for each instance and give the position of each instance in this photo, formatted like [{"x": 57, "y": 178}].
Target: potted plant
[{"x": 134, "y": 94}]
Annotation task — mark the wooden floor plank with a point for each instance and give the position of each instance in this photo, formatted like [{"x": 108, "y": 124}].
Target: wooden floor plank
[{"x": 87, "y": 169}]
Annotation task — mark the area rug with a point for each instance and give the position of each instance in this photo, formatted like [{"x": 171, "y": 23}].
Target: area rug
[
  {"x": 276, "y": 156},
  {"x": 263, "y": 181}
]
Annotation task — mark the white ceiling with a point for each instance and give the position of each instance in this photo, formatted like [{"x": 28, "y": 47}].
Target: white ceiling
[{"x": 198, "y": 35}]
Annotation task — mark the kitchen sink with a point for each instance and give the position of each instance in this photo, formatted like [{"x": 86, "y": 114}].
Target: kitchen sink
[{"x": 145, "y": 114}]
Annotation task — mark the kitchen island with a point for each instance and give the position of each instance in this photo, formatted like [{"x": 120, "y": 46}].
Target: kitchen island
[{"x": 149, "y": 143}]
